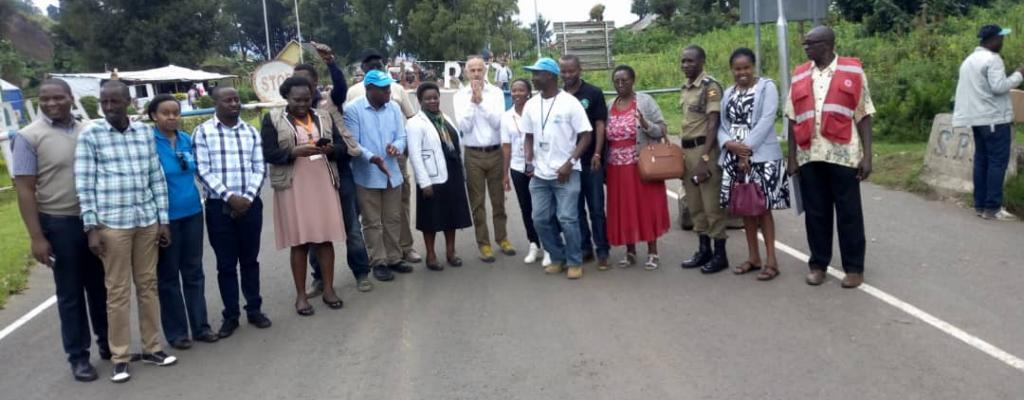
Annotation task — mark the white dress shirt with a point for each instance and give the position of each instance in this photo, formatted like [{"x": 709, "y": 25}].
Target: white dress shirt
[{"x": 480, "y": 124}]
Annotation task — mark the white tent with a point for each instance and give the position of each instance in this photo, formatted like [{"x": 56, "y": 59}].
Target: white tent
[{"x": 141, "y": 82}]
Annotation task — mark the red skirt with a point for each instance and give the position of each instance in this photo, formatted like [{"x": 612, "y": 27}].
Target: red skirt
[{"x": 637, "y": 210}]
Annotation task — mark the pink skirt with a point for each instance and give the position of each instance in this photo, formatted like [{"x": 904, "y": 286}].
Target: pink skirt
[{"x": 309, "y": 211}]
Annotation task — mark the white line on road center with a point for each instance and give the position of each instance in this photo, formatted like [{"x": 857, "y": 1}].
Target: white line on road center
[
  {"x": 971, "y": 340},
  {"x": 27, "y": 317},
  {"x": 946, "y": 327}
]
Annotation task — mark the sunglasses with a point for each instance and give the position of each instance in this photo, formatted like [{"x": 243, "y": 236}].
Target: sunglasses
[{"x": 181, "y": 160}]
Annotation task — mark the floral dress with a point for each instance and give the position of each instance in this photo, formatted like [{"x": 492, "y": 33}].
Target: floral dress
[{"x": 770, "y": 176}]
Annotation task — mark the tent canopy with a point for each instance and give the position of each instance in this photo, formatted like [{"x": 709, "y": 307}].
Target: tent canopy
[
  {"x": 169, "y": 73},
  {"x": 5, "y": 86}
]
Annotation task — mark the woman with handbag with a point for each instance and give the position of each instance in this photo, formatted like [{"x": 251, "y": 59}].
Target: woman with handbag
[
  {"x": 299, "y": 145},
  {"x": 754, "y": 180},
  {"x": 637, "y": 210},
  {"x": 442, "y": 204}
]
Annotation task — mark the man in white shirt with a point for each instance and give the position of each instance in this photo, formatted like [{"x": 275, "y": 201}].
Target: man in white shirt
[
  {"x": 502, "y": 74},
  {"x": 478, "y": 110},
  {"x": 983, "y": 103},
  {"x": 557, "y": 134}
]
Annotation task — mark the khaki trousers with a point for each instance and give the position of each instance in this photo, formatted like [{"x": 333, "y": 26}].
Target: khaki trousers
[
  {"x": 484, "y": 172},
  {"x": 130, "y": 255},
  {"x": 709, "y": 218},
  {"x": 405, "y": 238},
  {"x": 382, "y": 221}
]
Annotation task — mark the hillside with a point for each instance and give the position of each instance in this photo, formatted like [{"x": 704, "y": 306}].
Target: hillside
[{"x": 912, "y": 76}]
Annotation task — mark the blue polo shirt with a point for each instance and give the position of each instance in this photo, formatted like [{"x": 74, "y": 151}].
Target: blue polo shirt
[{"x": 182, "y": 193}]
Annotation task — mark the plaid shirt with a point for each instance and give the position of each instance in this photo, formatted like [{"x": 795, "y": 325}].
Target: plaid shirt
[
  {"x": 118, "y": 177},
  {"x": 229, "y": 159}
]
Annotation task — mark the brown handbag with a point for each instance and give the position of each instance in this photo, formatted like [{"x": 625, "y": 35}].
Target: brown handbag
[{"x": 661, "y": 161}]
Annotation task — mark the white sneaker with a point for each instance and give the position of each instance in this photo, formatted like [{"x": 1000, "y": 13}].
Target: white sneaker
[
  {"x": 547, "y": 260},
  {"x": 1003, "y": 215},
  {"x": 533, "y": 254}
]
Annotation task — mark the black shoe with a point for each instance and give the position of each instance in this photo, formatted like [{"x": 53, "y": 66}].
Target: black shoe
[
  {"x": 702, "y": 256},
  {"x": 207, "y": 337},
  {"x": 719, "y": 261},
  {"x": 383, "y": 273},
  {"x": 401, "y": 267},
  {"x": 120, "y": 373},
  {"x": 105, "y": 354},
  {"x": 181, "y": 344},
  {"x": 159, "y": 359},
  {"x": 228, "y": 328},
  {"x": 259, "y": 320},
  {"x": 588, "y": 256},
  {"x": 83, "y": 371}
]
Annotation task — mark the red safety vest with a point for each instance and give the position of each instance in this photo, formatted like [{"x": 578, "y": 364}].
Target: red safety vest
[{"x": 840, "y": 103}]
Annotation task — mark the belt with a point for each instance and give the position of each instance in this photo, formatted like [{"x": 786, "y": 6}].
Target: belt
[
  {"x": 691, "y": 143},
  {"x": 486, "y": 149}
]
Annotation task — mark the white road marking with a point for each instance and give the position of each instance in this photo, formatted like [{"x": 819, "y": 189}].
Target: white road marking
[
  {"x": 947, "y": 328},
  {"x": 28, "y": 317}
]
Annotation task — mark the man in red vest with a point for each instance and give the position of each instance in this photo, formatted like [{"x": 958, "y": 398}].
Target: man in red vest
[{"x": 829, "y": 111}]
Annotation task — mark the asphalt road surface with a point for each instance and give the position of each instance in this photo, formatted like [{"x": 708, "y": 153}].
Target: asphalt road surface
[{"x": 507, "y": 331}]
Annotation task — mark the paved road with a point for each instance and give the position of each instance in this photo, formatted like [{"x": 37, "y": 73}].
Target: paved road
[{"x": 507, "y": 331}]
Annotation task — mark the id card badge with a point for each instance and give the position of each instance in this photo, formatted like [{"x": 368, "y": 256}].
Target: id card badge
[{"x": 316, "y": 157}]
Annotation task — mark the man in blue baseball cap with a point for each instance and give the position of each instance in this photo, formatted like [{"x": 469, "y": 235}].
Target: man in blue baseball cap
[
  {"x": 983, "y": 103},
  {"x": 557, "y": 134},
  {"x": 378, "y": 125}
]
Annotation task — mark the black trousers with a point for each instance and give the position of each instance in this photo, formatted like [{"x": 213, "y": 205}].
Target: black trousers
[
  {"x": 521, "y": 182},
  {"x": 828, "y": 188},
  {"x": 81, "y": 290},
  {"x": 236, "y": 243}
]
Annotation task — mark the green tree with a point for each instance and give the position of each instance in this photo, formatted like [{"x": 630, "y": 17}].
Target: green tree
[
  {"x": 248, "y": 33},
  {"x": 129, "y": 34},
  {"x": 641, "y": 8},
  {"x": 666, "y": 9},
  {"x": 321, "y": 23},
  {"x": 440, "y": 29}
]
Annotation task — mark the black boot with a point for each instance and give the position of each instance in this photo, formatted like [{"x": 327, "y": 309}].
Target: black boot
[
  {"x": 702, "y": 256},
  {"x": 719, "y": 262}
]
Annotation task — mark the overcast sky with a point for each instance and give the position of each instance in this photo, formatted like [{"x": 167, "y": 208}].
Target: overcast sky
[{"x": 552, "y": 10}]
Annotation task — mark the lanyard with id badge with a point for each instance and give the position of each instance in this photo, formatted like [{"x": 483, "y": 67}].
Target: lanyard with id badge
[{"x": 545, "y": 144}]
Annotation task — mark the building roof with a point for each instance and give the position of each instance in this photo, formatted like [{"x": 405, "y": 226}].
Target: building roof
[{"x": 169, "y": 73}]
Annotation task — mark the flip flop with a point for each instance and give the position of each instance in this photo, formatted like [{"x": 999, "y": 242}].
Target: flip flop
[
  {"x": 768, "y": 274},
  {"x": 305, "y": 312},
  {"x": 334, "y": 305},
  {"x": 746, "y": 267}
]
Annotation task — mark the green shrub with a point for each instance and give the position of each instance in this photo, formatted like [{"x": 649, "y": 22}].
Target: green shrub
[
  {"x": 189, "y": 124},
  {"x": 91, "y": 106},
  {"x": 205, "y": 102},
  {"x": 181, "y": 96}
]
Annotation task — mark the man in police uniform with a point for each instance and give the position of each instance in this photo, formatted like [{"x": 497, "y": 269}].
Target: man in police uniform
[{"x": 700, "y": 101}]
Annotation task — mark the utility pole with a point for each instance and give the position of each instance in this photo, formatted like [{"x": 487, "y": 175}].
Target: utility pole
[
  {"x": 783, "y": 60},
  {"x": 266, "y": 28},
  {"x": 298, "y": 30},
  {"x": 536, "y": 12}
]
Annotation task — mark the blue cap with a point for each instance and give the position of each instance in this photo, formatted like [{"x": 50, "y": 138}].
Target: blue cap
[
  {"x": 378, "y": 78},
  {"x": 545, "y": 64}
]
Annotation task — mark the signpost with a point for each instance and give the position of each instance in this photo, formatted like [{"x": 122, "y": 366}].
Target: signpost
[
  {"x": 268, "y": 78},
  {"x": 591, "y": 41}
]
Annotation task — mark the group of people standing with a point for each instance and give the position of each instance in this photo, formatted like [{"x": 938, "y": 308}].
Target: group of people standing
[{"x": 113, "y": 203}]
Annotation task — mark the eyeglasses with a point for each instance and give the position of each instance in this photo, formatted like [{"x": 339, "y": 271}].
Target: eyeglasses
[{"x": 181, "y": 160}]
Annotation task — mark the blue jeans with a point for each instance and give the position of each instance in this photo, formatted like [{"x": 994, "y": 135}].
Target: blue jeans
[
  {"x": 991, "y": 157},
  {"x": 551, "y": 199},
  {"x": 79, "y": 278},
  {"x": 236, "y": 243},
  {"x": 592, "y": 197},
  {"x": 355, "y": 246},
  {"x": 180, "y": 280}
]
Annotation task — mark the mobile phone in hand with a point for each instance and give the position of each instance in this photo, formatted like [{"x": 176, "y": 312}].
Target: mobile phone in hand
[{"x": 323, "y": 142}]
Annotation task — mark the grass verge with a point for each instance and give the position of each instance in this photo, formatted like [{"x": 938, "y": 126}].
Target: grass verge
[{"x": 14, "y": 248}]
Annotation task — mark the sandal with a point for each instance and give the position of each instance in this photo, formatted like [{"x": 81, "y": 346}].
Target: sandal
[
  {"x": 652, "y": 262},
  {"x": 435, "y": 267},
  {"x": 334, "y": 305},
  {"x": 305, "y": 312},
  {"x": 628, "y": 261},
  {"x": 455, "y": 261},
  {"x": 746, "y": 267},
  {"x": 769, "y": 273}
]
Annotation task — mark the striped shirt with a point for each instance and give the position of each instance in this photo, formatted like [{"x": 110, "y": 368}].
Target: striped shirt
[
  {"x": 229, "y": 159},
  {"x": 118, "y": 177}
]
